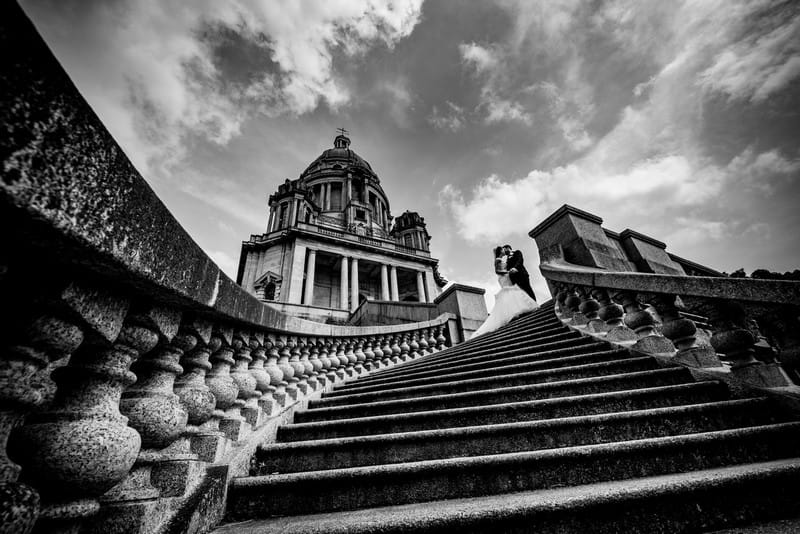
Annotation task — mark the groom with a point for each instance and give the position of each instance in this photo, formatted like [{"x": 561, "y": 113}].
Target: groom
[{"x": 516, "y": 270}]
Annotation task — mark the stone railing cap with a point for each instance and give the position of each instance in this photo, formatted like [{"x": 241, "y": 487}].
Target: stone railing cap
[
  {"x": 459, "y": 287},
  {"x": 642, "y": 237},
  {"x": 566, "y": 209},
  {"x": 743, "y": 289}
]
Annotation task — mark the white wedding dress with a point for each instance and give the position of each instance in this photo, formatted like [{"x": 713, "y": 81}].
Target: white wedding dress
[{"x": 509, "y": 302}]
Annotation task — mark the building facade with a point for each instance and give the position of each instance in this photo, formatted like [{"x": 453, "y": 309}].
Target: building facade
[{"x": 331, "y": 242}]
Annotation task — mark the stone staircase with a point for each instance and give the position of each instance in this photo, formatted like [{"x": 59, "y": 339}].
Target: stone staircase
[{"x": 531, "y": 428}]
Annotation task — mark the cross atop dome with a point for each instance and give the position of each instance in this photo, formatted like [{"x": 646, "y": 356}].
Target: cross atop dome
[{"x": 341, "y": 141}]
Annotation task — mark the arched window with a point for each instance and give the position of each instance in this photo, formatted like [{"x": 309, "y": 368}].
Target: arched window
[{"x": 269, "y": 291}]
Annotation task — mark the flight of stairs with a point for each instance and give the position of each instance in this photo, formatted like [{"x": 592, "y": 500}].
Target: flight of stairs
[{"x": 533, "y": 428}]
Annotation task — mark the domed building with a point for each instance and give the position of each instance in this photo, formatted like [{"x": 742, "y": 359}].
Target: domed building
[{"x": 331, "y": 243}]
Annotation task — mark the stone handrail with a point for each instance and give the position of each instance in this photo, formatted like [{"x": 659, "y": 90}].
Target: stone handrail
[
  {"x": 652, "y": 312},
  {"x": 131, "y": 363}
]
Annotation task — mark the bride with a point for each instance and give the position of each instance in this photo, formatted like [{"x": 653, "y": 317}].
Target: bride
[{"x": 509, "y": 302}]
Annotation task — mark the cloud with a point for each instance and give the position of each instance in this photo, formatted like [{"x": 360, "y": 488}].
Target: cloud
[
  {"x": 501, "y": 110},
  {"x": 760, "y": 64},
  {"x": 452, "y": 118},
  {"x": 652, "y": 164},
  {"x": 154, "y": 71},
  {"x": 481, "y": 58}
]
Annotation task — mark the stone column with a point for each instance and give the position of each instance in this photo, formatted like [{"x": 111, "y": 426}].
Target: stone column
[
  {"x": 393, "y": 283},
  {"x": 385, "y": 282},
  {"x": 420, "y": 287},
  {"x": 311, "y": 268},
  {"x": 292, "y": 212},
  {"x": 343, "y": 286},
  {"x": 353, "y": 284}
]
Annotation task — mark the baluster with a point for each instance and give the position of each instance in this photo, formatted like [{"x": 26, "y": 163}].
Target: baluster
[
  {"x": 327, "y": 362},
  {"x": 433, "y": 343},
  {"x": 413, "y": 347},
  {"x": 288, "y": 370},
  {"x": 396, "y": 351},
  {"x": 370, "y": 362},
  {"x": 441, "y": 340},
  {"x": 245, "y": 381},
  {"x": 681, "y": 331},
  {"x": 735, "y": 342},
  {"x": 386, "y": 348},
  {"x": 156, "y": 413},
  {"x": 571, "y": 304},
  {"x": 560, "y": 297},
  {"x": 424, "y": 348},
  {"x": 308, "y": 372},
  {"x": 643, "y": 324},
  {"x": 589, "y": 309},
  {"x": 329, "y": 354},
  {"x": 360, "y": 357},
  {"x": 223, "y": 386},
  {"x": 277, "y": 384},
  {"x": 299, "y": 369},
  {"x": 202, "y": 428},
  {"x": 45, "y": 340},
  {"x": 341, "y": 372},
  {"x": 81, "y": 446},
  {"x": 258, "y": 353},
  {"x": 350, "y": 368},
  {"x": 318, "y": 374},
  {"x": 612, "y": 313},
  {"x": 404, "y": 348}
]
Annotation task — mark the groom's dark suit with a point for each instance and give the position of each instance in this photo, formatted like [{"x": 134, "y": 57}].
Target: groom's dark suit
[{"x": 521, "y": 277}]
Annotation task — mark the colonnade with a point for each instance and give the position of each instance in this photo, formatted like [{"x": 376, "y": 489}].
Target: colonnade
[{"x": 349, "y": 283}]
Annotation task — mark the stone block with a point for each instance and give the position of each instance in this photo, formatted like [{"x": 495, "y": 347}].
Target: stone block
[
  {"x": 654, "y": 345},
  {"x": 648, "y": 254},
  {"x": 576, "y": 236},
  {"x": 579, "y": 319},
  {"x": 768, "y": 375},
  {"x": 699, "y": 357},
  {"x": 467, "y": 304},
  {"x": 597, "y": 326},
  {"x": 252, "y": 416},
  {"x": 137, "y": 517},
  {"x": 621, "y": 334},
  {"x": 210, "y": 447},
  {"x": 175, "y": 479}
]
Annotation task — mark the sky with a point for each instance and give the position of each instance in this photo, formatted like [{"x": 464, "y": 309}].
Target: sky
[{"x": 677, "y": 119}]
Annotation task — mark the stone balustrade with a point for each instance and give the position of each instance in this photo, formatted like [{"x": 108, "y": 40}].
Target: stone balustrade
[
  {"x": 652, "y": 313},
  {"x": 626, "y": 288},
  {"x": 136, "y": 377}
]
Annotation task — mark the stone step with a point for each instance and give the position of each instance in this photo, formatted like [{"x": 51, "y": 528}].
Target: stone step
[
  {"x": 509, "y": 332},
  {"x": 696, "y": 501},
  {"x": 567, "y": 406},
  {"x": 465, "y": 363},
  {"x": 361, "y": 487},
  {"x": 441, "y": 359},
  {"x": 341, "y": 453},
  {"x": 622, "y": 362},
  {"x": 594, "y": 384},
  {"x": 592, "y": 352}
]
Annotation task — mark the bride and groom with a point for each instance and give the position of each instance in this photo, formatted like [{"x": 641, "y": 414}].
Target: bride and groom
[{"x": 515, "y": 296}]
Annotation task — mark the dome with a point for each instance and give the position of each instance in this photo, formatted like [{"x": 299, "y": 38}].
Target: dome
[{"x": 339, "y": 158}]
